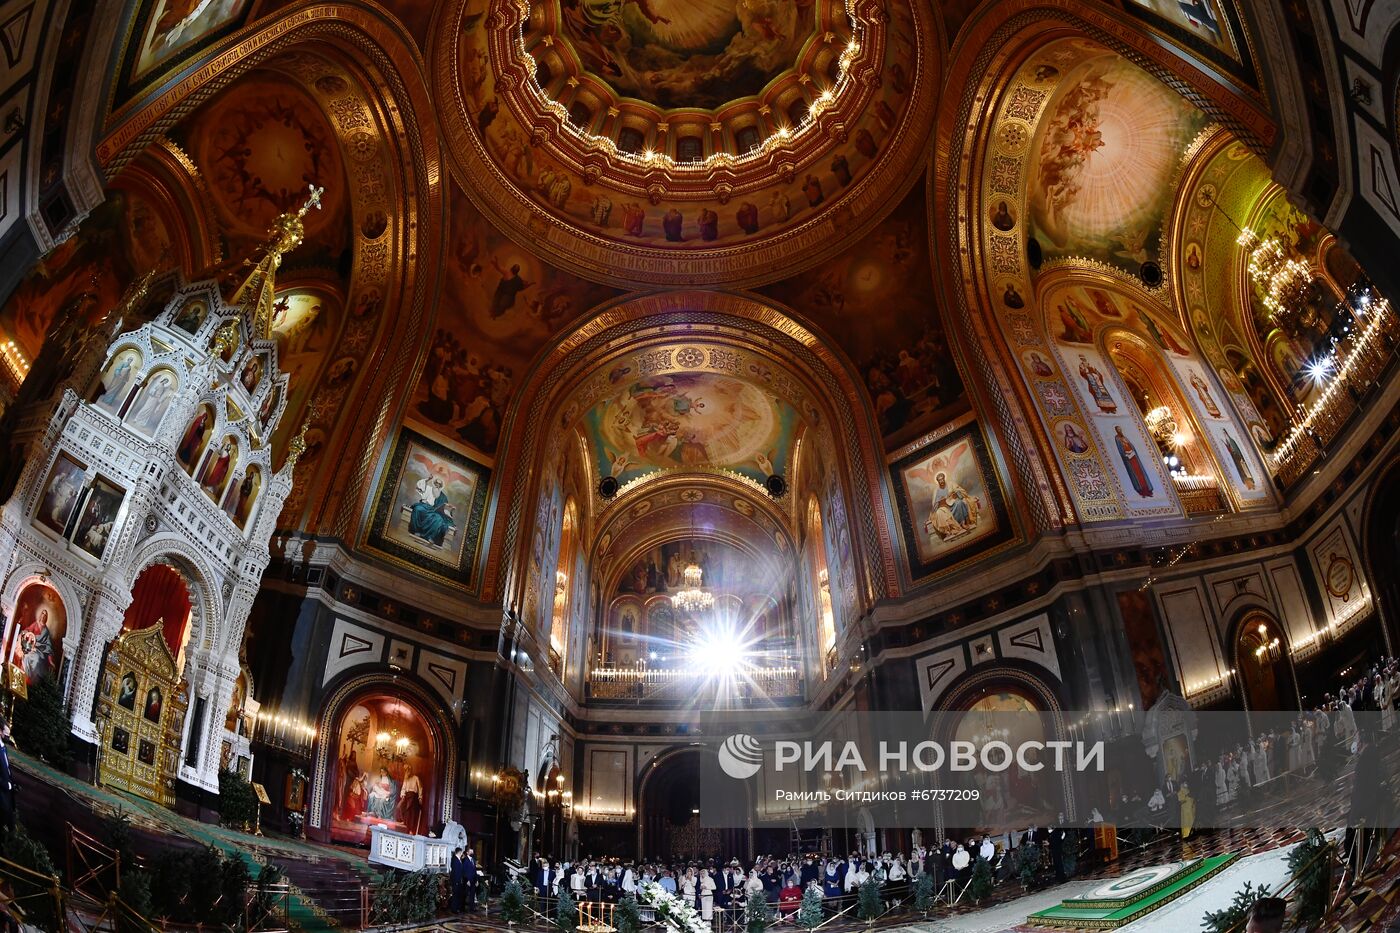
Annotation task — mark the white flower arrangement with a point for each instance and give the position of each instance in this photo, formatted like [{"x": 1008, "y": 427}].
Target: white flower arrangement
[{"x": 672, "y": 910}]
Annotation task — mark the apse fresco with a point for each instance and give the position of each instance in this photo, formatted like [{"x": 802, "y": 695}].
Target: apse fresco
[
  {"x": 875, "y": 303},
  {"x": 428, "y": 510},
  {"x": 641, "y": 618},
  {"x": 688, "y": 420},
  {"x": 259, "y": 146},
  {"x": 688, "y": 53},
  {"x": 1237, "y": 457},
  {"x": 123, "y": 238},
  {"x": 36, "y": 637},
  {"x": 385, "y": 771},
  {"x": 949, "y": 501},
  {"x": 1110, "y": 142},
  {"x": 500, "y": 306},
  {"x": 1074, "y": 316}
]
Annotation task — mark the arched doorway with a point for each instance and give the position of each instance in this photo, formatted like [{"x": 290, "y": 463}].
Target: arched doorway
[
  {"x": 161, "y": 597},
  {"x": 1382, "y": 545},
  {"x": 550, "y": 791},
  {"x": 387, "y": 766},
  {"x": 1013, "y": 705},
  {"x": 669, "y": 823},
  {"x": 142, "y": 697},
  {"x": 1014, "y": 797},
  {"x": 1261, "y": 658}
]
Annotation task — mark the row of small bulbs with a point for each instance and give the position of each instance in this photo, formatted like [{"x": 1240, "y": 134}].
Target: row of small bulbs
[{"x": 1334, "y": 369}]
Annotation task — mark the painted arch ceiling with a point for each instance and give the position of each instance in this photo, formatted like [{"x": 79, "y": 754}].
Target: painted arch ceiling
[{"x": 558, "y": 157}]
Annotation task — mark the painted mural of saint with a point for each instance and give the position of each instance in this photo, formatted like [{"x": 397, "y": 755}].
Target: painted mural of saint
[
  {"x": 954, "y": 511},
  {"x": 1203, "y": 393},
  {"x": 1241, "y": 465},
  {"x": 507, "y": 289},
  {"x": 1076, "y": 329},
  {"x": 192, "y": 442},
  {"x": 383, "y": 796},
  {"x": 1136, "y": 473},
  {"x": 36, "y": 650},
  {"x": 356, "y": 798},
  {"x": 432, "y": 515},
  {"x": 1163, "y": 338},
  {"x": 1074, "y": 439},
  {"x": 117, "y": 382},
  {"x": 410, "y": 808},
  {"x": 151, "y": 405},
  {"x": 216, "y": 469},
  {"x": 1097, "y": 388}
]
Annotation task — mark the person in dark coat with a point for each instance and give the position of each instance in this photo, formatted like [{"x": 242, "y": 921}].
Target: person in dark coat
[
  {"x": 457, "y": 876},
  {"x": 472, "y": 877}
]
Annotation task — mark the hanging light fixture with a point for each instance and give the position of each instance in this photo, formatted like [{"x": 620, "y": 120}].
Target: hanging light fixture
[
  {"x": 693, "y": 597},
  {"x": 1285, "y": 282}
]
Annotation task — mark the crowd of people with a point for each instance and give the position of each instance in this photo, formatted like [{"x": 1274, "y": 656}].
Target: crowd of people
[
  {"x": 711, "y": 885},
  {"x": 1315, "y": 743}
]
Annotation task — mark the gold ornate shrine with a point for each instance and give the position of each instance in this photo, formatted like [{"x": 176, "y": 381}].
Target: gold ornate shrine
[{"x": 140, "y": 709}]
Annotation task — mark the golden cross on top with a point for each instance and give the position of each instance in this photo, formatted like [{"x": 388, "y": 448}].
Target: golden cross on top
[{"x": 312, "y": 200}]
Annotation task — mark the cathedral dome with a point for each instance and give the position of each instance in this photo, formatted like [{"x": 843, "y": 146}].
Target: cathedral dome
[{"x": 671, "y": 142}]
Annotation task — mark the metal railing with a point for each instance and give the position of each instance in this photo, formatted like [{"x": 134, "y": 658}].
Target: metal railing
[
  {"x": 897, "y": 905},
  {"x": 1199, "y": 494}
]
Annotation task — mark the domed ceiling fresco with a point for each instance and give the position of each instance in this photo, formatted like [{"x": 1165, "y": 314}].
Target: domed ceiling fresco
[
  {"x": 1107, "y": 148},
  {"x": 688, "y": 53},
  {"x": 670, "y": 142},
  {"x": 774, "y": 151}
]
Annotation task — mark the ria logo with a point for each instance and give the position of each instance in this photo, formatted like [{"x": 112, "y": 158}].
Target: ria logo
[{"x": 741, "y": 756}]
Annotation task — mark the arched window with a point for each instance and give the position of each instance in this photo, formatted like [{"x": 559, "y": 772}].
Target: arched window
[
  {"x": 563, "y": 589},
  {"x": 690, "y": 149},
  {"x": 821, "y": 585}
]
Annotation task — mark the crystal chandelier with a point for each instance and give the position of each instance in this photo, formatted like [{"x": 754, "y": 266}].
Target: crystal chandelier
[
  {"x": 1162, "y": 424},
  {"x": 1285, "y": 284},
  {"x": 693, "y": 597}
]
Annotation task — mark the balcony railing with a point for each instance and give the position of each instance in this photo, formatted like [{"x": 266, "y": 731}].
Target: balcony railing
[
  {"x": 1199, "y": 494},
  {"x": 1361, "y": 361},
  {"x": 677, "y": 685}
]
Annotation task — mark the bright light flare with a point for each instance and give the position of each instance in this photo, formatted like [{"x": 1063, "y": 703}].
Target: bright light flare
[
  {"x": 721, "y": 652},
  {"x": 1320, "y": 369}
]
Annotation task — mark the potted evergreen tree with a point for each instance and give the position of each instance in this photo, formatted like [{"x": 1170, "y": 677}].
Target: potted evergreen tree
[
  {"x": 628, "y": 916},
  {"x": 756, "y": 913},
  {"x": 809, "y": 914},
  {"x": 566, "y": 912},
  {"x": 980, "y": 884},
  {"x": 868, "y": 903},
  {"x": 924, "y": 895},
  {"x": 513, "y": 903}
]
